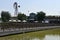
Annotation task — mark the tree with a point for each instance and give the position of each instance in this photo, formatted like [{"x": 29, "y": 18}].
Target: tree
[
  {"x": 32, "y": 17},
  {"x": 21, "y": 16},
  {"x": 5, "y": 16},
  {"x": 40, "y": 16}
]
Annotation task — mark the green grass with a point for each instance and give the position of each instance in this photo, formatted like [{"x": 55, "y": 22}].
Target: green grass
[{"x": 28, "y": 36}]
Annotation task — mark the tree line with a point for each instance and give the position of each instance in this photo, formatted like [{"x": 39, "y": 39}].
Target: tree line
[
  {"x": 5, "y": 16},
  {"x": 40, "y": 16}
]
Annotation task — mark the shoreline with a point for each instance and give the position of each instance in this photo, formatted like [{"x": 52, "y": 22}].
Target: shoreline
[{"x": 27, "y": 30}]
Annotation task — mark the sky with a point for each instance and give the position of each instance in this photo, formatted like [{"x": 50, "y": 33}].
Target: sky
[{"x": 50, "y": 7}]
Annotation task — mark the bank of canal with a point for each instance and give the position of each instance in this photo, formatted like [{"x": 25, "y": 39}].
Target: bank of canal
[{"x": 51, "y": 34}]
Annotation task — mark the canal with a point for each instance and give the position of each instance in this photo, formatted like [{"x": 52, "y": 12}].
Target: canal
[{"x": 51, "y": 34}]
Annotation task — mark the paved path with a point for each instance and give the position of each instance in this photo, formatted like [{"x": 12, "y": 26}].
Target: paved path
[{"x": 23, "y": 30}]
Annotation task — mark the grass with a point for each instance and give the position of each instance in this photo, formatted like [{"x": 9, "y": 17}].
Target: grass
[{"x": 28, "y": 36}]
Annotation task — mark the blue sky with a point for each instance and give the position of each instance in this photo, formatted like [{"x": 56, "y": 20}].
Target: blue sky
[{"x": 50, "y": 7}]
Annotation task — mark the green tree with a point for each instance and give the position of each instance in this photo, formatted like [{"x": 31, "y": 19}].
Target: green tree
[
  {"x": 21, "y": 16},
  {"x": 31, "y": 17},
  {"x": 40, "y": 16},
  {"x": 5, "y": 16}
]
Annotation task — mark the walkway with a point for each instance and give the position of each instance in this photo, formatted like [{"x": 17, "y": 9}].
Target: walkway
[{"x": 23, "y": 30}]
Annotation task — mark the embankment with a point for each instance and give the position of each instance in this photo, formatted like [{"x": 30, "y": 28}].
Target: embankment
[{"x": 14, "y": 28}]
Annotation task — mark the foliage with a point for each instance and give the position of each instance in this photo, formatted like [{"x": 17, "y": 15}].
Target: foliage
[
  {"x": 40, "y": 16},
  {"x": 31, "y": 17},
  {"x": 21, "y": 16},
  {"x": 5, "y": 16},
  {"x": 0, "y": 18}
]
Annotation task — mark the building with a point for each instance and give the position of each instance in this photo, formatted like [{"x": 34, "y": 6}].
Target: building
[{"x": 52, "y": 19}]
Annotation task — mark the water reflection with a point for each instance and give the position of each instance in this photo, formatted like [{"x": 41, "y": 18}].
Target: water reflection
[
  {"x": 52, "y": 37},
  {"x": 48, "y": 37}
]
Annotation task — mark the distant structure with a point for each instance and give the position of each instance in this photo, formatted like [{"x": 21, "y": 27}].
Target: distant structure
[
  {"x": 15, "y": 6},
  {"x": 31, "y": 17}
]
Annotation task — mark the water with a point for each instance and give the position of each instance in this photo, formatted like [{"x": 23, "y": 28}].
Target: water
[
  {"x": 52, "y": 37},
  {"x": 52, "y": 34},
  {"x": 47, "y": 37}
]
